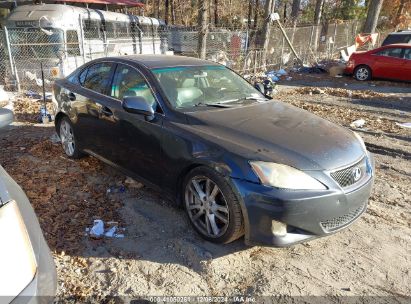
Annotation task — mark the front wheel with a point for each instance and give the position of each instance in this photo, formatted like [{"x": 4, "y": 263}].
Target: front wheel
[
  {"x": 212, "y": 206},
  {"x": 68, "y": 139},
  {"x": 362, "y": 73}
]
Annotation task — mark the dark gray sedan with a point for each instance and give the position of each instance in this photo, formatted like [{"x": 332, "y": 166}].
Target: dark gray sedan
[
  {"x": 27, "y": 270},
  {"x": 238, "y": 162}
]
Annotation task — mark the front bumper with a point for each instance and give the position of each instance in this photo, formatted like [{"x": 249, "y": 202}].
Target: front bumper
[
  {"x": 42, "y": 288},
  {"x": 308, "y": 214}
]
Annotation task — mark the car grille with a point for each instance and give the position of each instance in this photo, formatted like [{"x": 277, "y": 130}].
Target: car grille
[
  {"x": 341, "y": 221},
  {"x": 347, "y": 177}
]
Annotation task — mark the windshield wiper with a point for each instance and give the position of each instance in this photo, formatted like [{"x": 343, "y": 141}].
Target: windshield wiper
[{"x": 215, "y": 105}]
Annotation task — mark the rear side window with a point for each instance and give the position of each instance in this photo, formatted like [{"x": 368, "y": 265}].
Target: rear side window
[
  {"x": 407, "y": 54},
  {"x": 394, "y": 52},
  {"x": 98, "y": 77}
]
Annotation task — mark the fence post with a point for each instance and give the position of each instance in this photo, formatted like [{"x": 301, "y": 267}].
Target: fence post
[
  {"x": 335, "y": 35},
  {"x": 82, "y": 38},
  {"x": 282, "y": 52},
  {"x": 310, "y": 45},
  {"x": 12, "y": 65}
]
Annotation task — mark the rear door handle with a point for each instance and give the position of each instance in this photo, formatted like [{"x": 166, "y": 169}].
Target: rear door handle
[{"x": 106, "y": 111}]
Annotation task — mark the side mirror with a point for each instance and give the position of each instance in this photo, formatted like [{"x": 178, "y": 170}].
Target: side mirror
[
  {"x": 6, "y": 117},
  {"x": 137, "y": 105}
]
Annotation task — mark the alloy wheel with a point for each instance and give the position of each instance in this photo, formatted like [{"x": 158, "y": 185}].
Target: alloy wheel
[
  {"x": 207, "y": 207},
  {"x": 67, "y": 138},
  {"x": 362, "y": 74}
]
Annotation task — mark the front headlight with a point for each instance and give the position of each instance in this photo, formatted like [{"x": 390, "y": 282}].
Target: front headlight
[{"x": 285, "y": 177}]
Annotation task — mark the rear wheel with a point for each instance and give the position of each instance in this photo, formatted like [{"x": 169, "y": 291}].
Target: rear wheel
[
  {"x": 212, "y": 206},
  {"x": 68, "y": 139},
  {"x": 362, "y": 73}
]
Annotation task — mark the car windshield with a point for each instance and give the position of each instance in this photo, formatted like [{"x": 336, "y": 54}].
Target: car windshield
[{"x": 191, "y": 86}]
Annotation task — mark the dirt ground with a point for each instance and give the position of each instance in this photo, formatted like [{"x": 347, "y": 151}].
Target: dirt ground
[{"x": 370, "y": 262}]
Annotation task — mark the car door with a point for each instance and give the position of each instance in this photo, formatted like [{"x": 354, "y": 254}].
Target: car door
[
  {"x": 388, "y": 63},
  {"x": 407, "y": 64},
  {"x": 137, "y": 138},
  {"x": 89, "y": 102}
]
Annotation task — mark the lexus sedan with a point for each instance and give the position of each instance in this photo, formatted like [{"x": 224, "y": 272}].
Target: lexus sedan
[
  {"x": 27, "y": 270},
  {"x": 240, "y": 163},
  {"x": 392, "y": 61}
]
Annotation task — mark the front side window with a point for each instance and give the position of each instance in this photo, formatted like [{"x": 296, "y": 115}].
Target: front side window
[
  {"x": 187, "y": 86},
  {"x": 393, "y": 52},
  {"x": 98, "y": 77},
  {"x": 407, "y": 54},
  {"x": 129, "y": 82}
]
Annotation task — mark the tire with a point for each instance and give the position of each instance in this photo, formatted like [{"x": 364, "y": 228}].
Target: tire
[
  {"x": 362, "y": 73},
  {"x": 214, "y": 213},
  {"x": 68, "y": 138}
]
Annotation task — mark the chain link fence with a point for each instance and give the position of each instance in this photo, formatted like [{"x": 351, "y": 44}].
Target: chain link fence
[{"x": 27, "y": 53}]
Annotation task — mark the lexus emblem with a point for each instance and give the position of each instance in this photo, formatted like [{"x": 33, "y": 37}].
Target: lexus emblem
[{"x": 356, "y": 174}]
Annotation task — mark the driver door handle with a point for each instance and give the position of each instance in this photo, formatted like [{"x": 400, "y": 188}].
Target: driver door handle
[{"x": 106, "y": 111}]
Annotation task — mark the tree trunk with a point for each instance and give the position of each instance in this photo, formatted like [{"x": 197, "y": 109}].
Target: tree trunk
[
  {"x": 295, "y": 11},
  {"x": 373, "y": 13},
  {"x": 157, "y": 9},
  {"x": 257, "y": 4},
  {"x": 317, "y": 19},
  {"x": 202, "y": 27},
  {"x": 250, "y": 11},
  {"x": 173, "y": 12},
  {"x": 166, "y": 11},
  {"x": 399, "y": 12},
  {"x": 216, "y": 21},
  {"x": 268, "y": 9},
  {"x": 318, "y": 10}
]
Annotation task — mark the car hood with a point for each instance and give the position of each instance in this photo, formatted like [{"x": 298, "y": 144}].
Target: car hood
[{"x": 278, "y": 132}]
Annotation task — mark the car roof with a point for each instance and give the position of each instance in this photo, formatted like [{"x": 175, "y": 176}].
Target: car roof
[
  {"x": 403, "y": 32},
  {"x": 406, "y": 45},
  {"x": 164, "y": 61}
]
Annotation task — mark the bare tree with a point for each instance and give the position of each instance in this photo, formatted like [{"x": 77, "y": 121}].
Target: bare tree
[
  {"x": 268, "y": 9},
  {"x": 373, "y": 13},
  {"x": 256, "y": 8},
  {"x": 295, "y": 11},
  {"x": 285, "y": 12},
  {"x": 202, "y": 27},
  {"x": 166, "y": 11},
  {"x": 250, "y": 11},
  {"x": 173, "y": 12},
  {"x": 400, "y": 12},
  {"x": 317, "y": 19},
  {"x": 216, "y": 21},
  {"x": 318, "y": 10}
]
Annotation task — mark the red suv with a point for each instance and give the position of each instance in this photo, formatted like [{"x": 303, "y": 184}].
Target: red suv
[{"x": 390, "y": 62}]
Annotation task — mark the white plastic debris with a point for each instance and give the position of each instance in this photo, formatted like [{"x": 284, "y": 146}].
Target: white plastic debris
[
  {"x": 404, "y": 125},
  {"x": 359, "y": 123},
  {"x": 98, "y": 229}
]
